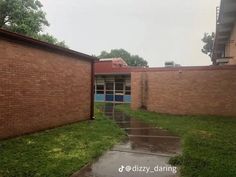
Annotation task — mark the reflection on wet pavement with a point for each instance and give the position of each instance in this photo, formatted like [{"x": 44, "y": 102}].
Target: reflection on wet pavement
[
  {"x": 145, "y": 145},
  {"x": 143, "y": 137}
]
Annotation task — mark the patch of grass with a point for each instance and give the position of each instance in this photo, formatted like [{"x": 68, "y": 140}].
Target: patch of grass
[
  {"x": 208, "y": 142},
  {"x": 176, "y": 160},
  {"x": 58, "y": 152}
]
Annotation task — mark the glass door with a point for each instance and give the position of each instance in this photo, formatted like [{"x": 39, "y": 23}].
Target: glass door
[
  {"x": 109, "y": 95},
  {"x": 119, "y": 91}
]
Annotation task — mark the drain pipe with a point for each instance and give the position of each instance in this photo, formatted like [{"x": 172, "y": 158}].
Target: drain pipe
[{"x": 92, "y": 92}]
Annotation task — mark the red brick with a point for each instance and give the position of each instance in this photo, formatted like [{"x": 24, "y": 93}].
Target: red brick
[
  {"x": 186, "y": 91},
  {"x": 41, "y": 89}
]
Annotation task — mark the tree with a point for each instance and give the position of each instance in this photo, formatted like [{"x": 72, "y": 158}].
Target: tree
[
  {"x": 208, "y": 39},
  {"x": 131, "y": 60},
  {"x": 50, "y": 39},
  {"x": 25, "y": 17}
]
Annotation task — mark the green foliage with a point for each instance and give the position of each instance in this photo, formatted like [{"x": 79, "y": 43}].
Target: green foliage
[
  {"x": 50, "y": 39},
  {"x": 208, "y": 142},
  {"x": 25, "y": 17},
  {"x": 58, "y": 152},
  {"x": 22, "y": 16},
  {"x": 208, "y": 41},
  {"x": 131, "y": 60}
]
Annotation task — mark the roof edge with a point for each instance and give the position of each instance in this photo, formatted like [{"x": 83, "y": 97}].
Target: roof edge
[
  {"x": 187, "y": 68},
  {"x": 29, "y": 40}
]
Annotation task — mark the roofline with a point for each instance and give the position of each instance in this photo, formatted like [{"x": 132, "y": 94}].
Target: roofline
[
  {"x": 174, "y": 69},
  {"x": 115, "y": 73},
  {"x": 230, "y": 25},
  {"x": 37, "y": 43},
  {"x": 111, "y": 59},
  {"x": 108, "y": 61},
  {"x": 187, "y": 68}
]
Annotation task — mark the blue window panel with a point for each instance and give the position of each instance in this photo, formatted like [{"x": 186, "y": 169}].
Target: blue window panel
[
  {"x": 119, "y": 98},
  {"x": 127, "y": 98},
  {"x": 99, "y": 97},
  {"x": 109, "y": 97}
]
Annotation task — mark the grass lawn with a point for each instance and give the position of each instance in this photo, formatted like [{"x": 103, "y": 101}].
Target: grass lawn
[
  {"x": 208, "y": 142},
  {"x": 57, "y": 152}
]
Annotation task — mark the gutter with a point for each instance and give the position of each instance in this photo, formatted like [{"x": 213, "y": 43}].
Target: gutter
[{"x": 92, "y": 92}]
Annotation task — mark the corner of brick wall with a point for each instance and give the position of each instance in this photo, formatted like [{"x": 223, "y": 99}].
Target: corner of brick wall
[{"x": 136, "y": 81}]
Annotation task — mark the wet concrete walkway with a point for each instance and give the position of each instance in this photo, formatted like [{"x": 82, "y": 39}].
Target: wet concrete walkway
[{"x": 145, "y": 152}]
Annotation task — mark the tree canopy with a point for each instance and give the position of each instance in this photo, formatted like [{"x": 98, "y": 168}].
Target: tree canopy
[
  {"x": 26, "y": 17},
  {"x": 50, "y": 39},
  {"x": 208, "y": 41},
  {"x": 131, "y": 60}
]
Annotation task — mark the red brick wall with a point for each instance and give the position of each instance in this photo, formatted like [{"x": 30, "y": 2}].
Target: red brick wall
[
  {"x": 41, "y": 89},
  {"x": 200, "y": 90},
  {"x": 136, "y": 92}
]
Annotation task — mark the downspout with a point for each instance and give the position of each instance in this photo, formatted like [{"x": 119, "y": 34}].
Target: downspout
[
  {"x": 92, "y": 92},
  {"x": 144, "y": 90}
]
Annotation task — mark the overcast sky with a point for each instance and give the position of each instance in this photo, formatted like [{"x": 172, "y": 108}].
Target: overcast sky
[{"x": 157, "y": 30}]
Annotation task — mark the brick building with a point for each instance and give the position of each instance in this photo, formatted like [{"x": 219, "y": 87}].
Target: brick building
[
  {"x": 200, "y": 90},
  {"x": 42, "y": 85},
  {"x": 112, "y": 81},
  {"x": 224, "y": 51}
]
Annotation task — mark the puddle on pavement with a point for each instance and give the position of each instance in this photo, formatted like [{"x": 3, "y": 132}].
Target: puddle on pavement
[
  {"x": 143, "y": 137},
  {"x": 145, "y": 145}
]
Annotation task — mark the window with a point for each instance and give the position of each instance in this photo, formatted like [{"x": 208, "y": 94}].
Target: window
[
  {"x": 100, "y": 92},
  {"x": 120, "y": 91},
  {"x": 127, "y": 90},
  {"x": 119, "y": 80},
  {"x": 109, "y": 92},
  {"x": 109, "y": 86},
  {"x": 100, "y": 89},
  {"x": 119, "y": 86}
]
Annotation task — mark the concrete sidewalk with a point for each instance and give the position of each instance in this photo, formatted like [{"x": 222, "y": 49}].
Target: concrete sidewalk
[{"x": 145, "y": 153}]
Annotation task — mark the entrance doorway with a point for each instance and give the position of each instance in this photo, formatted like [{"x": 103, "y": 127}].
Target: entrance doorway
[
  {"x": 113, "y": 89},
  {"x": 109, "y": 94}
]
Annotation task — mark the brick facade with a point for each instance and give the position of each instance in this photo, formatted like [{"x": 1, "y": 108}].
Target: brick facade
[
  {"x": 41, "y": 89},
  {"x": 186, "y": 91}
]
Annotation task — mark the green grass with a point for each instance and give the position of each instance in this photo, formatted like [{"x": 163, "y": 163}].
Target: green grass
[
  {"x": 58, "y": 152},
  {"x": 208, "y": 142}
]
